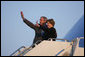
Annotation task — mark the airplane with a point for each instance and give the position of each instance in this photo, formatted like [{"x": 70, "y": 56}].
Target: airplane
[{"x": 71, "y": 45}]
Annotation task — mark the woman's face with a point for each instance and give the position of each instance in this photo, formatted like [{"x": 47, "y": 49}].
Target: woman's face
[{"x": 49, "y": 25}]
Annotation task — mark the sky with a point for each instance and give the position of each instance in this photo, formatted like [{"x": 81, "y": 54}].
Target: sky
[{"x": 15, "y": 33}]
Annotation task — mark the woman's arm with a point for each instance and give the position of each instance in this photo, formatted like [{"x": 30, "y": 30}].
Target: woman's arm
[{"x": 52, "y": 33}]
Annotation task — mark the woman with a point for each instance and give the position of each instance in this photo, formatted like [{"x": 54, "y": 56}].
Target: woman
[{"x": 50, "y": 32}]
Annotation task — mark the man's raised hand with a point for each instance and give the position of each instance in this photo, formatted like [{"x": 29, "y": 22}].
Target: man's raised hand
[
  {"x": 37, "y": 24},
  {"x": 22, "y": 15}
]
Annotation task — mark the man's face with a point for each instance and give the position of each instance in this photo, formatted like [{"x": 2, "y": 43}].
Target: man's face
[{"x": 42, "y": 21}]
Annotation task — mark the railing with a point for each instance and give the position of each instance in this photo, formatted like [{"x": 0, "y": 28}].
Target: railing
[
  {"x": 21, "y": 53},
  {"x": 78, "y": 38},
  {"x": 33, "y": 45},
  {"x": 54, "y": 39},
  {"x": 18, "y": 50},
  {"x": 75, "y": 43},
  {"x": 30, "y": 48}
]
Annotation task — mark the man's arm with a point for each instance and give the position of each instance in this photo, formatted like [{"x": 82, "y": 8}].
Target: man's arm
[{"x": 28, "y": 22}]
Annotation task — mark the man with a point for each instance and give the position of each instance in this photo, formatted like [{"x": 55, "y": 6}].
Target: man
[{"x": 38, "y": 32}]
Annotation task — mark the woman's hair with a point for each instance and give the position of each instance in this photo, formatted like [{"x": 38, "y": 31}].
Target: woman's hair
[{"x": 51, "y": 21}]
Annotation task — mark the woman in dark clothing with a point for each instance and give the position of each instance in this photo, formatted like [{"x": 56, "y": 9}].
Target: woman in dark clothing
[{"x": 50, "y": 32}]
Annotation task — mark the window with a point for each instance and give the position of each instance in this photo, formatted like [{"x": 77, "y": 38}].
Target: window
[{"x": 81, "y": 43}]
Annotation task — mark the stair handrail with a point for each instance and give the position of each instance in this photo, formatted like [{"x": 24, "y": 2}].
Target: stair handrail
[{"x": 17, "y": 50}]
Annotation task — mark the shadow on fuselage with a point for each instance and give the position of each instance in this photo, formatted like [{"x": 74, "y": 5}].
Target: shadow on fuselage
[{"x": 76, "y": 31}]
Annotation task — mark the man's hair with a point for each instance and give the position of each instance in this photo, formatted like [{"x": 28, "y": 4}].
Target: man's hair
[
  {"x": 51, "y": 21},
  {"x": 45, "y": 18}
]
